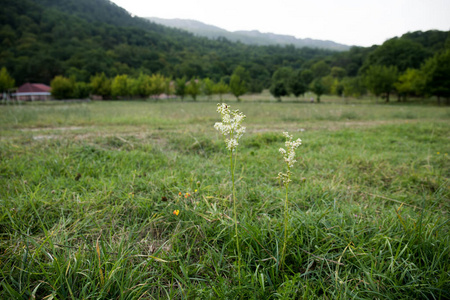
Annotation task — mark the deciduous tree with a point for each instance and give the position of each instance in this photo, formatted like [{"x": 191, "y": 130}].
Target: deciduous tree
[
  {"x": 437, "y": 74},
  {"x": 101, "y": 85},
  {"x": 180, "y": 87},
  {"x": 281, "y": 80},
  {"x": 353, "y": 86},
  {"x": 193, "y": 88},
  {"x": 279, "y": 89},
  {"x": 296, "y": 85},
  {"x": 410, "y": 83},
  {"x": 141, "y": 86},
  {"x": 221, "y": 88},
  {"x": 207, "y": 87},
  {"x": 119, "y": 86},
  {"x": 307, "y": 76},
  {"x": 318, "y": 88},
  {"x": 238, "y": 82},
  {"x": 320, "y": 69},
  {"x": 81, "y": 90},
  {"x": 338, "y": 72},
  {"x": 158, "y": 84},
  {"x": 62, "y": 87},
  {"x": 6, "y": 81},
  {"x": 380, "y": 80}
]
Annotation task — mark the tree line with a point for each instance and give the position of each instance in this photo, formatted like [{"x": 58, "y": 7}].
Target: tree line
[
  {"x": 141, "y": 87},
  {"x": 431, "y": 78}
]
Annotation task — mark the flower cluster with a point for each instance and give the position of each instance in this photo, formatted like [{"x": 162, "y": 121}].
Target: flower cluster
[
  {"x": 231, "y": 125},
  {"x": 289, "y": 156}
]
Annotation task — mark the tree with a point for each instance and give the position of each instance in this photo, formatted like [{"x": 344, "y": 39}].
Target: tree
[
  {"x": 437, "y": 70},
  {"x": 338, "y": 72},
  {"x": 62, "y": 87},
  {"x": 208, "y": 87},
  {"x": 81, "y": 90},
  {"x": 327, "y": 82},
  {"x": 283, "y": 74},
  {"x": 79, "y": 75},
  {"x": 169, "y": 87},
  {"x": 320, "y": 69},
  {"x": 6, "y": 81},
  {"x": 119, "y": 86},
  {"x": 318, "y": 88},
  {"x": 353, "y": 86},
  {"x": 381, "y": 79},
  {"x": 296, "y": 85},
  {"x": 279, "y": 89},
  {"x": 337, "y": 88},
  {"x": 158, "y": 85},
  {"x": 193, "y": 88},
  {"x": 281, "y": 79},
  {"x": 238, "y": 82},
  {"x": 101, "y": 85},
  {"x": 180, "y": 87},
  {"x": 259, "y": 77},
  {"x": 307, "y": 76},
  {"x": 398, "y": 52},
  {"x": 141, "y": 86},
  {"x": 221, "y": 88},
  {"x": 410, "y": 83}
]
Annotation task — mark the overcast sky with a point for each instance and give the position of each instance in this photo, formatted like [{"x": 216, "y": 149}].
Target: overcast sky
[{"x": 351, "y": 22}]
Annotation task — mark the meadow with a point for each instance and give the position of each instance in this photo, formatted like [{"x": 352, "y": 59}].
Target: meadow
[{"x": 88, "y": 193}]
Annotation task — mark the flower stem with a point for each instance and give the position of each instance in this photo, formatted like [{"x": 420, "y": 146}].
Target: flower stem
[
  {"x": 286, "y": 217},
  {"x": 235, "y": 216}
]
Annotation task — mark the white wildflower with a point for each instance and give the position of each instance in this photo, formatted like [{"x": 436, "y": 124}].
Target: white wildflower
[
  {"x": 231, "y": 144},
  {"x": 289, "y": 156},
  {"x": 284, "y": 177},
  {"x": 231, "y": 125}
]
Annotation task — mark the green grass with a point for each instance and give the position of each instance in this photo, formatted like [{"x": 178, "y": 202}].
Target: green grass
[{"x": 88, "y": 190}]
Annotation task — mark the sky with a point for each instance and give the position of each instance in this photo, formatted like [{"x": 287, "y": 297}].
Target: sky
[{"x": 350, "y": 22}]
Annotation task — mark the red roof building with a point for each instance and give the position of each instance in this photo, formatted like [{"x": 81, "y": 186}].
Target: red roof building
[{"x": 33, "y": 91}]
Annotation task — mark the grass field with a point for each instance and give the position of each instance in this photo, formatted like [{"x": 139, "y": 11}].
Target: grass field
[{"x": 88, "y": 191}]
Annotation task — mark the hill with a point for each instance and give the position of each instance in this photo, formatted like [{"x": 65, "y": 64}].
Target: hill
[
  {"x": 79, "y": 38},
  {"x": 253, "y": 37}
]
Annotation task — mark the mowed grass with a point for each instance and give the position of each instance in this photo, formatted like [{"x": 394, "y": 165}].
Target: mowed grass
[{"x": 88, "y": 192}]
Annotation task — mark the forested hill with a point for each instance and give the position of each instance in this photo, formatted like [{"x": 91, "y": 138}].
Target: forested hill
[
  {"x": 45, "y": 38},
  {"x": 97, "y": 12}
]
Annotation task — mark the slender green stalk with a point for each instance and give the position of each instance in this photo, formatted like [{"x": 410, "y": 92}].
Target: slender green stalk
[
  {"x": 286, "y": 217},
  {"x": 232, "y": 169}
]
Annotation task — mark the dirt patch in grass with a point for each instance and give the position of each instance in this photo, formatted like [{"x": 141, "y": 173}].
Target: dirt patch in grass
[
  {"x": 324, "y": 125},
  {"x": 53, "y": 128}
]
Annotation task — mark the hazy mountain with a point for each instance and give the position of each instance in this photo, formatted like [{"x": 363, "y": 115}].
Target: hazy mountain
[{"x": 253, "y": 37}]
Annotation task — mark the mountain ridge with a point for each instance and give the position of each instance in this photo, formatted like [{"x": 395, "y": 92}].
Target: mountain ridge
[{"x": 251, "y": 37}]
